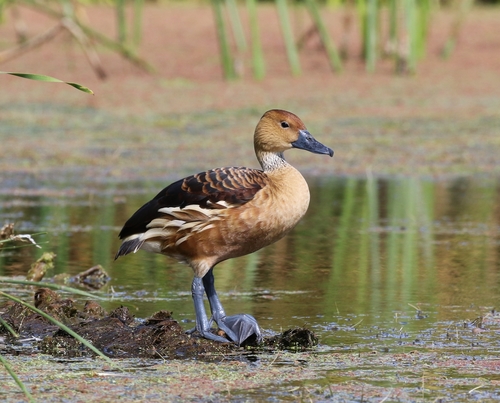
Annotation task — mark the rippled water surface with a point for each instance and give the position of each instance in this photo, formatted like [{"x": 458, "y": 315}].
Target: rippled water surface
[{"x": 373, "y": 258}]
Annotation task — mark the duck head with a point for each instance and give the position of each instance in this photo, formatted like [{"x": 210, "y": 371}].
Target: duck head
[{"x": 279, "y": 130}]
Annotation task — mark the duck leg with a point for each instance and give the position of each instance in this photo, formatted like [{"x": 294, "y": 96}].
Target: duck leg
[
  {"x": 237, "y": 327},
  {"x": 202, "y": 322}
]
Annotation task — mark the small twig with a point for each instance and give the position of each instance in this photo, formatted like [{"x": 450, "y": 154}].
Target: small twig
[
  {"x": 30, "y": 43},
  {"x": 476, "y": 388},
  {"x": 19, "y": 25},
  {"x": 274, "y": 360},
  {"x": 356, "y": 324},
  {"x": 385, "y": 398},
  {"x": 21, "y": 237},
  {"x": 308, "y": 34},
  {"x": 92, "y": 33},
  {"x": 87, "y": 47}
]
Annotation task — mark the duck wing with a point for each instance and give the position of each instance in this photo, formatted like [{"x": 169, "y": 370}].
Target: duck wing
[{"x": 214, "y": 189}]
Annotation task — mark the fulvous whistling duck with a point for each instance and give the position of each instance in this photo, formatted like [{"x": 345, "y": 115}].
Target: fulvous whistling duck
[{"x": 224, "y": 213}]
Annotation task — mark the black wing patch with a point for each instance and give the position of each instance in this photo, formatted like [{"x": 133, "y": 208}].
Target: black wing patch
[{"x": 233, "y": 185}]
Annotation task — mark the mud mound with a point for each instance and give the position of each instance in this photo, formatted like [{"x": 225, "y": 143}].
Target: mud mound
[{"x": 118, "y": 334}]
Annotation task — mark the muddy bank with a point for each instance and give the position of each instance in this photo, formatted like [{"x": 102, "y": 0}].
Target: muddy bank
[{"x": 119, "y": 334}]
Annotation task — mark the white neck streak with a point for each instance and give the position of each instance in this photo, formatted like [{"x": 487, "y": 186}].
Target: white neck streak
[{"x": 269, "y": 161}]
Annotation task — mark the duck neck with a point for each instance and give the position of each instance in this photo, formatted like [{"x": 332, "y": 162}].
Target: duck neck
[{"x": 270, "y": 161}]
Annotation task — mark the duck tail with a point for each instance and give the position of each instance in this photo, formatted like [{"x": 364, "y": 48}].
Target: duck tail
[{"x": 130, "y": 244}]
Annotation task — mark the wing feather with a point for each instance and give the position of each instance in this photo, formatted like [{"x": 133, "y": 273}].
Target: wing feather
[{"x": 214, "y": 189}]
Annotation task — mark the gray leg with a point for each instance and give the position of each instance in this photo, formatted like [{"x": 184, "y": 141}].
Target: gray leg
[
  {"x": 237, "y": 327},
  {"x": 202, "y": 323}
]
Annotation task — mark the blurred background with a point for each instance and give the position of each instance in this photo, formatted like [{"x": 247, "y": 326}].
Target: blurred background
[
  {"x": 406, "y": 92},
  {"x": 399, "y": 252}
]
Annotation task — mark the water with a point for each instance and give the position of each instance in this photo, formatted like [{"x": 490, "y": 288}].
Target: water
[{"x": 374, "y": 259}]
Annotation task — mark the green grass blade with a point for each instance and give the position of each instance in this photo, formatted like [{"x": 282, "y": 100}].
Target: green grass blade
[
  {"x": 411, "y": 28},
  {"x": 8, "y": 327},
  {"x": 286, "y": 28},
  {"x": 121, "y": 21},
  {"x": 331, "y": 50},
  {"x": 61, "y": 326},
  {"x": 51, "y": 286},
  {"x": 16, "y": 379},
  {"x": 258, "y": 64},
  {"x": 371, "y": 35},
  {"x": 137, "y": 23},
  {"x": 237, "y": 26},
  {"x": 41, "y": 77},
  {"x": 393, "y": 21},
  {"x": 223, "y": 38}
]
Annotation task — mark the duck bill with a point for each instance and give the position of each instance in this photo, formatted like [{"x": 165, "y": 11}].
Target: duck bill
[{"x": 307, "y": 142}]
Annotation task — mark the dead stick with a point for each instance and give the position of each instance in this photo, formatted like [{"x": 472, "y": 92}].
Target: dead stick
[
  {"x": 19, "y": 25},
  {"x": 313, "y": 30},
  {"x": 30, "y": 43},
  {"x": 114, "y": 45},
  {"x": 87, "y": 47}
]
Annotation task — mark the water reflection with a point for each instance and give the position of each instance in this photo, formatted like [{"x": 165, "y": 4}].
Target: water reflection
[{"x": 366, "y": 249}]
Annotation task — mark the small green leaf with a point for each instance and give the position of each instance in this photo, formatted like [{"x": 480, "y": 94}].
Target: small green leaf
[{"x": 41, "y": 77}]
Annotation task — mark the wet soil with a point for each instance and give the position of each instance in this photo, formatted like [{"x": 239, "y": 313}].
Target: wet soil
[{"x": 119, "y": 335}]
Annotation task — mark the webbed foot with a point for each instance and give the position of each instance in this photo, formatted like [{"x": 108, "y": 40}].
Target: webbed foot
[{"x": 240, "y": 327}]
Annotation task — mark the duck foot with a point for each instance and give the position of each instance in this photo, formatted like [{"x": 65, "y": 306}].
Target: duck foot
[{"x": 240, "y": 328}]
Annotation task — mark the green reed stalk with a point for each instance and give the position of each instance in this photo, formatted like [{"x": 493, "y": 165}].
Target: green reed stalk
[
  {"x": 347, "y": 23},
  {"x": 286, "y": 28},
  {"x": 3, "y": 3},
  {"x": 121, "y": 21},
  {"x": 331, "y": 50},
  {"x": 410, "y": 12},
  {"x": 371, "y": 39},
  {"x": 137, "y": 23},
  {"x": 236, "y": 25},
  {"x": 361, "y": 10},
  {"x": 393, "y": 22},
  {"x": 423, "y": 21},
  {"x": 258, "y": 64},
  {"x": 463, "y": 6},
  {"x": 395, "y": 36},
  {"x": 224, "y": 47}
]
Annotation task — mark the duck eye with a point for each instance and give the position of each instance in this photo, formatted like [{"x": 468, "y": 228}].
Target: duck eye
[{"x": 285, "y": 125}]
